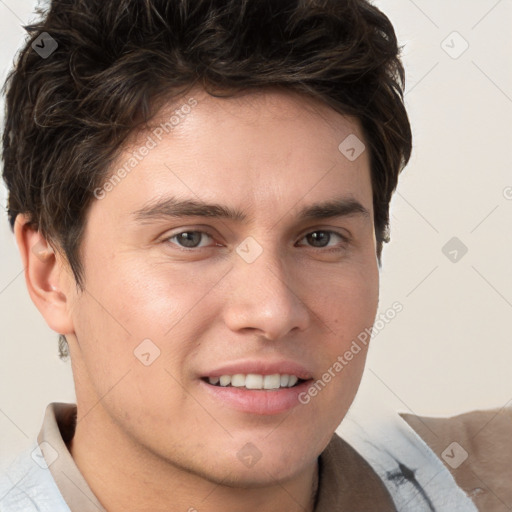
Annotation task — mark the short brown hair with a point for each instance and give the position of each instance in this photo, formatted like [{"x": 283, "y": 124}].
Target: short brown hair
[{"x": 67, "y": 115}]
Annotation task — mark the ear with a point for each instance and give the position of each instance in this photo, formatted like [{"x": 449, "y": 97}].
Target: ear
[{"x": 48, "y": 281}]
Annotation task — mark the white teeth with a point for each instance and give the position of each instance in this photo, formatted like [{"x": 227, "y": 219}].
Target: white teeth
[
  {"x": 272, "y": 381},
  {"x": 225, "y": 380},
  {"x": 256, "y": 381},
  {"x": 253, "y": 381},
  {"x": 238, "y": 380}
]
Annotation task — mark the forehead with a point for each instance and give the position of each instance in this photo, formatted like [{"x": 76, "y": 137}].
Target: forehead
[
  {"x": 272, "y": 106},
  {"x": 262, "y": 148}
]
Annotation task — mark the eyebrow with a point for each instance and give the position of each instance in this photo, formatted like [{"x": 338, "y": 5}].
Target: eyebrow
[{"x": 172, "y": 207}]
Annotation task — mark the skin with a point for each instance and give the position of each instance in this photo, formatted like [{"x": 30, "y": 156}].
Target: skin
[{"x": 150, "y": 437}]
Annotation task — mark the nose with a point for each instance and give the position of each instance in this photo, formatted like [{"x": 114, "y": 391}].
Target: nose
[{"x": 264, "y": 296}]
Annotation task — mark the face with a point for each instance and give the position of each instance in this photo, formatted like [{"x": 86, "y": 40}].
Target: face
[{"x": 175, "y": 293}]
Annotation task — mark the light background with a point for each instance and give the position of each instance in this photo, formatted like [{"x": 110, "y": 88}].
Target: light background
[{"x": 449, "y": 350}]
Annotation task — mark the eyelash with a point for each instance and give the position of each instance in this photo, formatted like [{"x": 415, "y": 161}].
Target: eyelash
[{"x": 345, "y": 240}]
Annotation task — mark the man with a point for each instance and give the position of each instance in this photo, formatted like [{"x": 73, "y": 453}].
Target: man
[{"x": 200, "y": 195}]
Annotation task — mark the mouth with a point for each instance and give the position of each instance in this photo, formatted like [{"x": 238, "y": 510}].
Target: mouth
[
  {"x": 258, "y": 386},
  {"x": 253, "y": 381}
]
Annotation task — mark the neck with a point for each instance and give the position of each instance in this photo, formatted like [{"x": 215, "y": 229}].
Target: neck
[{"x": 124, "y": 475}]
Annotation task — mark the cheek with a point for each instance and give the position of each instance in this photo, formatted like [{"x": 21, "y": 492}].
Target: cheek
[
  {"x": 146, "y": 299},
  {"x": 348, "y": 300},
  {"x": 347, "y": 311},
  {"x": 146, "y": 295}
]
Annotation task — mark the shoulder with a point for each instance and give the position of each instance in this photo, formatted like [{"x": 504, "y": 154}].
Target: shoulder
[
  {"x": 413, "y": 473},
  {"x": 27, "y": 485},
  {"x": 348, "y": 482},
  {"x": 476, "y": 447}
]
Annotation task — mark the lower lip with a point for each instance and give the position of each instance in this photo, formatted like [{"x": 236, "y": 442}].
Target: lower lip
[{"x": 258, "y": 401}]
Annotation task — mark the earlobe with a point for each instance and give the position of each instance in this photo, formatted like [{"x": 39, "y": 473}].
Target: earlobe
[{"x": 45, "y": 276}]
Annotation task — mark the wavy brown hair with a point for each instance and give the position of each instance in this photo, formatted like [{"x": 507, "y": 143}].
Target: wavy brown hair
[{"x": 68, "y": 115}]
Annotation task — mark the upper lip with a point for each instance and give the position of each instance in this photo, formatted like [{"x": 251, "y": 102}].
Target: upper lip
[{"x": 261, "y": 367}]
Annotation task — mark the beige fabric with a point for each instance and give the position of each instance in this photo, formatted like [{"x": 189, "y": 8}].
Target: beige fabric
[
  {"x": 57, "y": 430},
  {"x": 346, "y": 481},
  {"x": 486, "y": 436}
]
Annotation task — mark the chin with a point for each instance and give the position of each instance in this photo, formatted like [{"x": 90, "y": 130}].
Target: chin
[{"x": 262, "y": 474}]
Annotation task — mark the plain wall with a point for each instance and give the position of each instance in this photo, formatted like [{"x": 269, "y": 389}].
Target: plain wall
[{"x": 449, "y": 349}]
